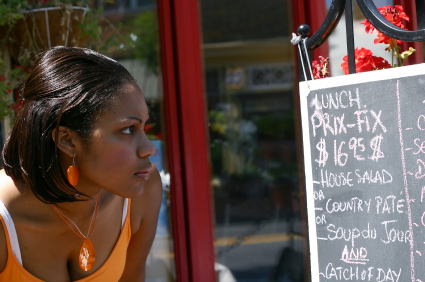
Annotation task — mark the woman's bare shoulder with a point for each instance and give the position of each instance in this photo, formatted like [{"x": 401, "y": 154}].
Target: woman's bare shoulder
[
  {"x": 7, "y": 192},
  {"x": 8, "y": 189},
  {"x": 147, "y": 205},
  {"x": 146, "y": 208}
]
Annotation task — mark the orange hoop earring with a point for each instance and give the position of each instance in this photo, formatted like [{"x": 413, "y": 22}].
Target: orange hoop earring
[{"x": 73, "y": 173}]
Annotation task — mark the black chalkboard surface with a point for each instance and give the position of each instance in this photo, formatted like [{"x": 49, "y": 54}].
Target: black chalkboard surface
[{"x": 364, "y": 150}]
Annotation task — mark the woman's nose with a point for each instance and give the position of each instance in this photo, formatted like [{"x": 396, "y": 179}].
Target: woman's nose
[{"x": 146, "y": 148}]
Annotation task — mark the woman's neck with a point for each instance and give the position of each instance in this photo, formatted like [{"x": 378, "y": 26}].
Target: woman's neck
[{"x": 20, "y": 197}]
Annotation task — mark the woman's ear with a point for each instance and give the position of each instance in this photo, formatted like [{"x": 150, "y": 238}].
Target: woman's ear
[{"x": 65, "y": 140}]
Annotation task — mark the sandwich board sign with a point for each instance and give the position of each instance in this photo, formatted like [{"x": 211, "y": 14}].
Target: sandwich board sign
[{"x": 364, "y": 155}]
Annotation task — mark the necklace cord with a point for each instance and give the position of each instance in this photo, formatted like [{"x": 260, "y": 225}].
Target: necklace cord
[
  {"x": 94, "y": 224},
  {"x": 65, "y": 218}
]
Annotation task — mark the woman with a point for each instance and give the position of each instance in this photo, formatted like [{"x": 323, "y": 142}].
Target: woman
[{"x": 77, "y": 184}]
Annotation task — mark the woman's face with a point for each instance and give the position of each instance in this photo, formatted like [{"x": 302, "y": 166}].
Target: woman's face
[{"x": 117, "y": 156}]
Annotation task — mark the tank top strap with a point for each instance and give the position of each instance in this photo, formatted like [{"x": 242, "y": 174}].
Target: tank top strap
[
  {"x": 124, "y": 212},
  {"x": 9, "y": 227}
]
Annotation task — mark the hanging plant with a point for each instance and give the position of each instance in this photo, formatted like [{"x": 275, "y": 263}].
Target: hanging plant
[
  {"x": 29, "y": 27},
  {"x": 43, "y": 28},
  {"x": 9, "y": 88}
]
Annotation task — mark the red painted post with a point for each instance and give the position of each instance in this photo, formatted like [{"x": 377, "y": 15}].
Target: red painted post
[
  {"x": 173, "y": 140},
  {"x": 194, "y": 141},
  {"x": 313, "y": 13},
  {"x": 300, "y": 13},
  {"x": 190, "y": 116},
  {"x": 316, "y": 14},
  {"x": 409, "y": 7}
]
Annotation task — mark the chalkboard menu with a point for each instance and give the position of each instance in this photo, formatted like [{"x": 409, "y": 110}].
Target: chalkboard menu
[{"x": 364, "y": 153}]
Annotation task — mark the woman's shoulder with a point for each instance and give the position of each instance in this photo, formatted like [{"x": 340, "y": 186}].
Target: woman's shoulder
[
  {"x": 8, "y": 189},
  {"x": 7, "y": 192},
  {"x": 146, "y": 209},
  {"x": 147, "y": 205}
]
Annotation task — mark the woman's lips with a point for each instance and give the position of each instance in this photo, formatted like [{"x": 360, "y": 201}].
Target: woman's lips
[{"x": 144, "y": 173}]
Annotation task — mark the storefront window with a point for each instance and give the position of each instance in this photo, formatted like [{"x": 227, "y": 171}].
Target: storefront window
[
  {"x": 249, "y": 74},
  {"x": 139, "y": 55}
]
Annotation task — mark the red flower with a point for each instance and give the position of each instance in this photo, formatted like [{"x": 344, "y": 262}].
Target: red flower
[
  {"x": 365, "y": 61},
  {"x": 369, "y": 28},
  {"x": 394, "y": 16},
  {"x": 320, "y": 69},
  {"x": 149, "y": 127},
  {"x": 16, "y": 106},
  {"x": 24, "y": 69},
  {"x": 382, "y": 38}
]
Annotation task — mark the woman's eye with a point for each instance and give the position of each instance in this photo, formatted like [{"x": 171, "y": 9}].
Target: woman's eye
[{"x": 128, "y": 130}]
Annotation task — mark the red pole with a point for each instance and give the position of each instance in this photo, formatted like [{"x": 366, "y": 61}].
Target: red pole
[
  {"x": 316, "y": 14},
  {"x": 409, "y": 7},
  {"x": 181, "y": 22},
  {"x": 168, "y": 69}
]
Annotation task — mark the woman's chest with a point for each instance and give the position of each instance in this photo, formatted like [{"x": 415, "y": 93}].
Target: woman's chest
[{"x": 52, "y": 253}]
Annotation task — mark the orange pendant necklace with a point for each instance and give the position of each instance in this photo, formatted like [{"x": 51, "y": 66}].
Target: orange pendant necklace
[{"x": 87, "y": 254}]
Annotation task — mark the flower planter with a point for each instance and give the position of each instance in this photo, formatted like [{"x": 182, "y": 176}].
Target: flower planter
[{"x": 44, "y": 28}]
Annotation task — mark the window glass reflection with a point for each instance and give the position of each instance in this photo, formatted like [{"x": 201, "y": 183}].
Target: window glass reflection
[{"x": 249, "y": 72}]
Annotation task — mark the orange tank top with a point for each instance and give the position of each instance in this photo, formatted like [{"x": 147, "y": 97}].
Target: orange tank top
[{"x": 110, "y": 271}]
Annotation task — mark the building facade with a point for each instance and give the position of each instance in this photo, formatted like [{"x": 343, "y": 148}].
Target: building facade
[
  {"x": 221, "y": 82},
  {"x": 228, "y": 107}
]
